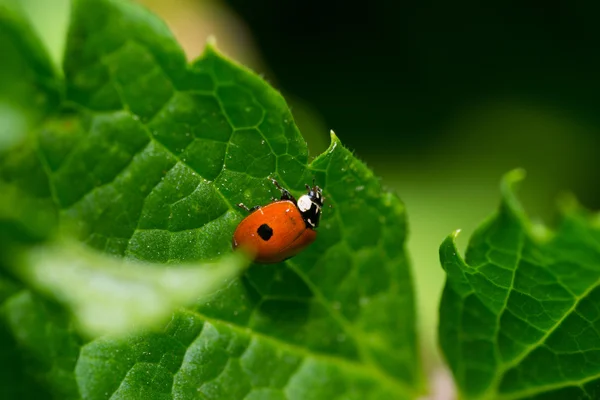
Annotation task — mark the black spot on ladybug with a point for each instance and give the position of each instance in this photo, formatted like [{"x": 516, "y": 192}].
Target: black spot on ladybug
[{"x": 265, "y": 232}]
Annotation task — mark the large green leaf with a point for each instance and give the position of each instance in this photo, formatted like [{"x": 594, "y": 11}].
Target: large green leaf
[
  {"x": 519, "y": 317},
  {"x": 147, "y": 160}
]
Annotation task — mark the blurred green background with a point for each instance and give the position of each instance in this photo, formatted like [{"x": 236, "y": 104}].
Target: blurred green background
[{"x": 439, "y": 98}]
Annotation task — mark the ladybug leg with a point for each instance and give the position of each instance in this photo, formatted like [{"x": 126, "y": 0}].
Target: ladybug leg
[
  {"x": 277, "y": 185},
  {"x": 285, "y": 194},
  {"x": 243, "y": 206}
]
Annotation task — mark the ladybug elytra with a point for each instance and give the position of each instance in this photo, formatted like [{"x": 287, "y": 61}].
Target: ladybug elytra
[{"x": 281, "y": 229}]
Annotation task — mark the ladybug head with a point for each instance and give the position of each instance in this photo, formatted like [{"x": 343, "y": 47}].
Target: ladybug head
[{"x": 310, "y": 206}]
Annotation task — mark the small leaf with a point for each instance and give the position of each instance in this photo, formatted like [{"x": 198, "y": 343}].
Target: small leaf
[
  {"x": 109, "y": 295},
  {"x": 519, "y": 315}
]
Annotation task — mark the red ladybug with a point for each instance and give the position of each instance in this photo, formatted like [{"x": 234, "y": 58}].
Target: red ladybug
[{"x": 281, "y": 229}]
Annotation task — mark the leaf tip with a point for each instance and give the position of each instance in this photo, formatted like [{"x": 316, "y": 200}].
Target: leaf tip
[
  {"x": 242, "y": 257},
  {"x": 334, "y": 141},
  {"x": 540, "y": 231},
  {"x": 512, "y": 178},
  {"x": 211, "y": 42},
  {"x": 211, "y": 47},
  {"x": 333, "y": 136},
  {"x": 508, "y": 187},
  {"x": 448, "y": 250}
]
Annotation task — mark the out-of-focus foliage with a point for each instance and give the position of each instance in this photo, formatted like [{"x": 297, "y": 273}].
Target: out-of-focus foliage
[{"x": 27, "y": 77}]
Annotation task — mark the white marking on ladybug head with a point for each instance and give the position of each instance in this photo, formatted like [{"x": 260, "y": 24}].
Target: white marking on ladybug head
[{"x": 304, "y": 203}]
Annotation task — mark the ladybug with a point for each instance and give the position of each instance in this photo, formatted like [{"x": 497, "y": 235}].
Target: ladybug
[{"x": 281, "y": 229}]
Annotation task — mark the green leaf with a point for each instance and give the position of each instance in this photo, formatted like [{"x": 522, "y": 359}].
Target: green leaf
[
  {"x": 519, "y": 315},
  {"x": 146, "y": 160}
]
